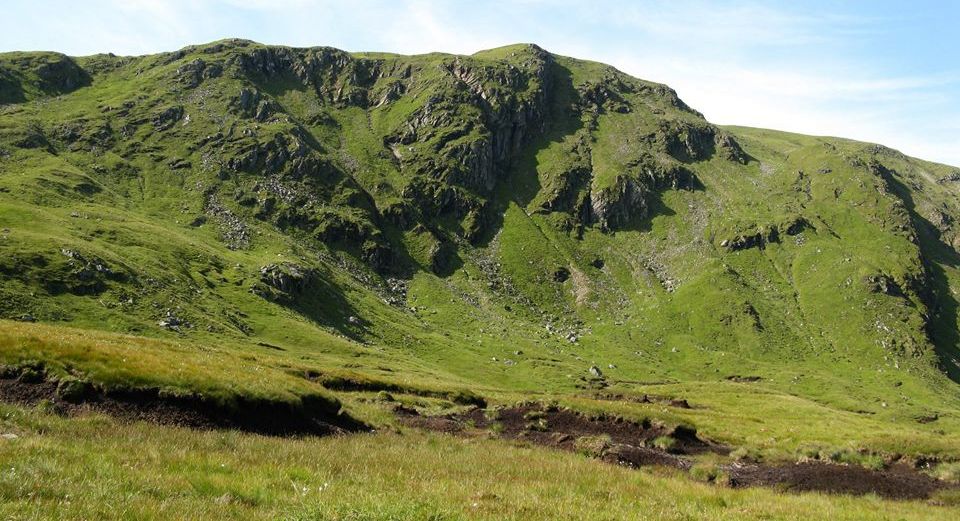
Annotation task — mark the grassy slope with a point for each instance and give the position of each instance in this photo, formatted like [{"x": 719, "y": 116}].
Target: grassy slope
[{"x": 671, "y": 310}]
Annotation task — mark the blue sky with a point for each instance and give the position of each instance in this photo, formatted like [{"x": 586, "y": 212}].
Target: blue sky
[{"x": 878, "y": 71}]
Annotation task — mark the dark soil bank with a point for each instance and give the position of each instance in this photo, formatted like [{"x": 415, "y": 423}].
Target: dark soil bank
[
  {"x": 149, "y": 404},
  {"x": 899, "y": 481},
  {"x": 624, "y": 442},
  {"x": 612, "y": 439}
]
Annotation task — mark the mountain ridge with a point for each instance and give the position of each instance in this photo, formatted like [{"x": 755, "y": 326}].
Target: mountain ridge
[{"x": 510, "y": 219}]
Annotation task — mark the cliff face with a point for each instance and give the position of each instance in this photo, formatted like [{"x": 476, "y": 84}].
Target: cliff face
[
  {"x": 541, "y": 192},
  {"x": 462, "y": 123}
]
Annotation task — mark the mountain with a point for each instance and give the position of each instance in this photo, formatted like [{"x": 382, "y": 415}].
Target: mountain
[{"x": 243, "y": 223}]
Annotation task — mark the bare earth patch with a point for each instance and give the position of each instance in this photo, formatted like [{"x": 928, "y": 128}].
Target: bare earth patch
[
  {"x": 634, "y": 444},
  {"x": 610, "y": 438},
  {"x": 898, "y": 481},
  {"x": 149, "y": 404}
]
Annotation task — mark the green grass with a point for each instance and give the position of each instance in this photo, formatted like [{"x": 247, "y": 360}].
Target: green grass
[
  {"x": 93, "y": 467},
  {"x": 125, "y": 362}
]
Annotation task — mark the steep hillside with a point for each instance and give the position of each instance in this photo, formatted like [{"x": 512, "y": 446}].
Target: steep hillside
[{"x": 515, "y": 223}]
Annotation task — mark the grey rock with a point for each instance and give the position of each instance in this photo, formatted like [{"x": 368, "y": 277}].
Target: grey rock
[
  {"x": 193, "y": 73},
  {"x": 173, "y": 322},
  {"x": 167, "y": 118},
  {"x": 290, "y": 278}
]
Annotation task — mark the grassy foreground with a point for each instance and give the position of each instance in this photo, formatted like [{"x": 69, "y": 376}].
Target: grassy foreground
[
  {"x": 760, "y": 417},
  {"x": 95, "y": 468}
]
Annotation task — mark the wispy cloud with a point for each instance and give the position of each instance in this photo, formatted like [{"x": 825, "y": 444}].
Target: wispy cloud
[{"x": 735, "y": 24}]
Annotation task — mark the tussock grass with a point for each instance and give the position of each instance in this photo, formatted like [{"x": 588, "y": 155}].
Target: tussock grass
[
  {"x": 118, "y": 362},
  {"x": 92, "y": 467}
]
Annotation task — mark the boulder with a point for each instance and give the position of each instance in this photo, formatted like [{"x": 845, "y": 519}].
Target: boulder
[
  {"x": 167, "y": 118},
  {"x": 287, "y": 277}
]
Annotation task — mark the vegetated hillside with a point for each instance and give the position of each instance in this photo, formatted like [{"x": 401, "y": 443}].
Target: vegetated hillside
[{"x": 509, "y": 220}]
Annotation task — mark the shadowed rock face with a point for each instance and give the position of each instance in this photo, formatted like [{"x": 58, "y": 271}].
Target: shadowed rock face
[
  {"x": 615, "y": 206},
  {"x": 61, "y": 75},
  {"x": 288, "y": 278},
  {"x": 472, "y": 132},
  {"x": 48, "y": 73},
  {"x": 630, "y": 197}
]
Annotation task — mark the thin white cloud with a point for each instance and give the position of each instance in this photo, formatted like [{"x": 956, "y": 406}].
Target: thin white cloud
[
  {"x": 421, "y": 27},
  {"x": 733, "y": 25}
]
